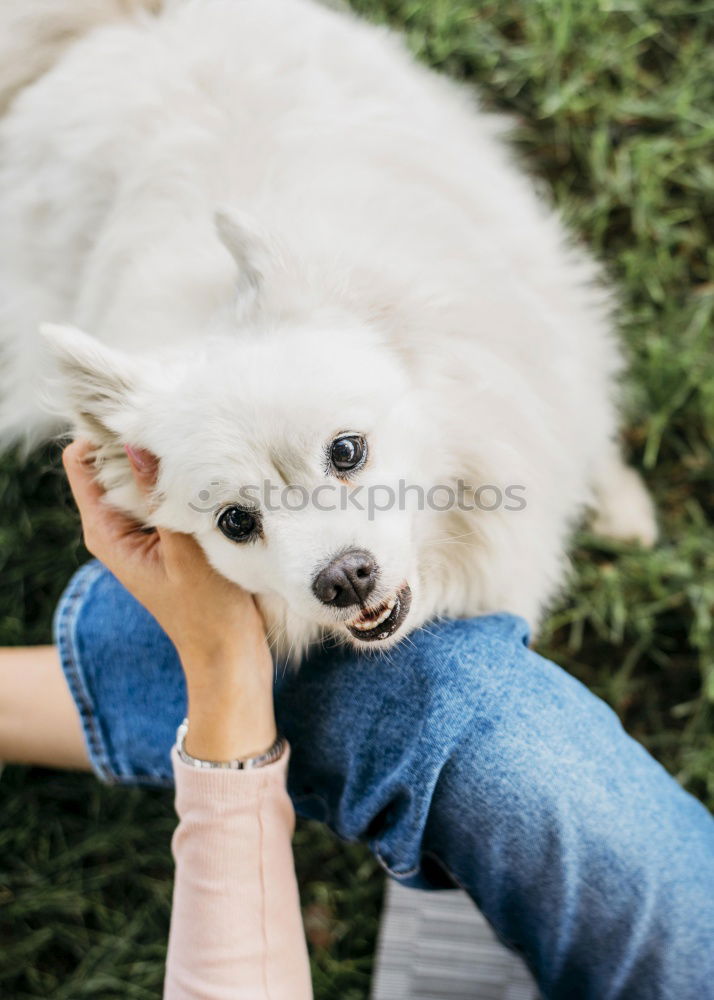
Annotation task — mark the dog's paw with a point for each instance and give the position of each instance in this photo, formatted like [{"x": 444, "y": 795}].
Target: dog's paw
[{"x": 625, "y": 510}]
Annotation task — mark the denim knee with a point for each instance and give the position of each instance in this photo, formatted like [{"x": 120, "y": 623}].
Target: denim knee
[
  {"x": 477, "y": 754},
  {"x": 372, "y": 734},
  {"x": 463, "y": 755}
]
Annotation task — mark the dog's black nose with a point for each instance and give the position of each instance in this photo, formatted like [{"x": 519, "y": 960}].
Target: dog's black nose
[{"x": 349, "y": 579}]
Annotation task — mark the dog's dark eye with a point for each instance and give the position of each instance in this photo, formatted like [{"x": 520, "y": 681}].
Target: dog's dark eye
[
  {"x": 238, "y": 525},
  {"x": 347, "y": 452}
]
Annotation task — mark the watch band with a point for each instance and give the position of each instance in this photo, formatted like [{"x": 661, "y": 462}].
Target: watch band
[{"x": 273, "y": 753}]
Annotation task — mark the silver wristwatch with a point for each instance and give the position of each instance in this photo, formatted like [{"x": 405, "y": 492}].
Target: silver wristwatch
[{"x": 273, "y": 753}]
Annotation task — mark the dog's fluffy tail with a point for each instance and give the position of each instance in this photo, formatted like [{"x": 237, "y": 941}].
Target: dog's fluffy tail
[{"x": 34, "y": 33}]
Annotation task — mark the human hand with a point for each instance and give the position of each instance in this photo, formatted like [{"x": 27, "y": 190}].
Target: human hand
[{"x": 214, "y": 624}]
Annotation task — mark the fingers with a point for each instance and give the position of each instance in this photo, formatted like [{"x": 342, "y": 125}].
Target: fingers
[
  {"x": 102, "y": 526},
  {"x": 185, "y": 560},
  {"x": 113, "y": 537},
  {"x": 85, "y": 489},
  {"x": 182, "y": 554}
]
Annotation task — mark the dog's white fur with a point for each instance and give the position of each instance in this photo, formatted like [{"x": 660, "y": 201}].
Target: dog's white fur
[{"x": 378, "y": 265}]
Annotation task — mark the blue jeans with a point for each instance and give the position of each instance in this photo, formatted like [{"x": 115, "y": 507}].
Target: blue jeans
[{"x": 460, "y": 757}]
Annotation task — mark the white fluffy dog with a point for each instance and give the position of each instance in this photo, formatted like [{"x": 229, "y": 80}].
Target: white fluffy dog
[{"x": 301, "y": 259}]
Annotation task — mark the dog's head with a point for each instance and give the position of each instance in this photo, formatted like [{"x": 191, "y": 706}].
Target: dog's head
[{"x": 283, "y": 451}]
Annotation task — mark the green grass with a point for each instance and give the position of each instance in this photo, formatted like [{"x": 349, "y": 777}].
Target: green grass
[{"x": 614, "y": 106}]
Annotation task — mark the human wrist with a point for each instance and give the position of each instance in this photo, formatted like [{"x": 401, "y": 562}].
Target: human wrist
[
  {"x": 206, "y": 742},
  {"x": 229, "y": 720},
  {"x": 230, "y": 696}
]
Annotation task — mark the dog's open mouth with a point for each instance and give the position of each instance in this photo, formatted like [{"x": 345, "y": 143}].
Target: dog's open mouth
[{"x": 384, "y": 620}]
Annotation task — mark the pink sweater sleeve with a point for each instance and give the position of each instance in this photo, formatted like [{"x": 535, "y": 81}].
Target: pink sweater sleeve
[{"x": 236, "y": 930}]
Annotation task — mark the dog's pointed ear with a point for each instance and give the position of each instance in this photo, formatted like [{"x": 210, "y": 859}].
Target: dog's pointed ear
[
  {"x": 100, "y": 385},
  {"x": 250, "y": 252}
]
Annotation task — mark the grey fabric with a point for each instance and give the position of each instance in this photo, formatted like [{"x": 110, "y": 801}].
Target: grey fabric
[{"x": 437, "y": 946}]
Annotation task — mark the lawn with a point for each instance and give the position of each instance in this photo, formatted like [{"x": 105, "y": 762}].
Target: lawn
[{"x": 614, "y": 115}]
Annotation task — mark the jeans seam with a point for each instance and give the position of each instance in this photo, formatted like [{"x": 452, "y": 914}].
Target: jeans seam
[
  {"x": 407, "y": 873},
  {"x": 66, "y": 617},
  {"x": 65, "y": 621}
]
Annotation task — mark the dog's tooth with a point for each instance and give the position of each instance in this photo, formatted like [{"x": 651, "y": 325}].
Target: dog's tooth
[
  {"x": 385, "y": 613},
  {"x": 371, "y": 623},
  {"x": 368, "y": 624}
]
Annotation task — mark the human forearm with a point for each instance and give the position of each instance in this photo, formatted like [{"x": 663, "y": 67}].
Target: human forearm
[{"x": 236, "y": 929}]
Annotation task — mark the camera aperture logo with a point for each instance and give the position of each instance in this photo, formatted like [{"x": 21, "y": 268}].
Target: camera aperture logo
[{"x": 204, "y": 501}]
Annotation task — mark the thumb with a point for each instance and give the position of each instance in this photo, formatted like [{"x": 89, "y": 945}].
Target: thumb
[
  {"x": 144, "y": 467},
  {"x": 182, "y": 553}
]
